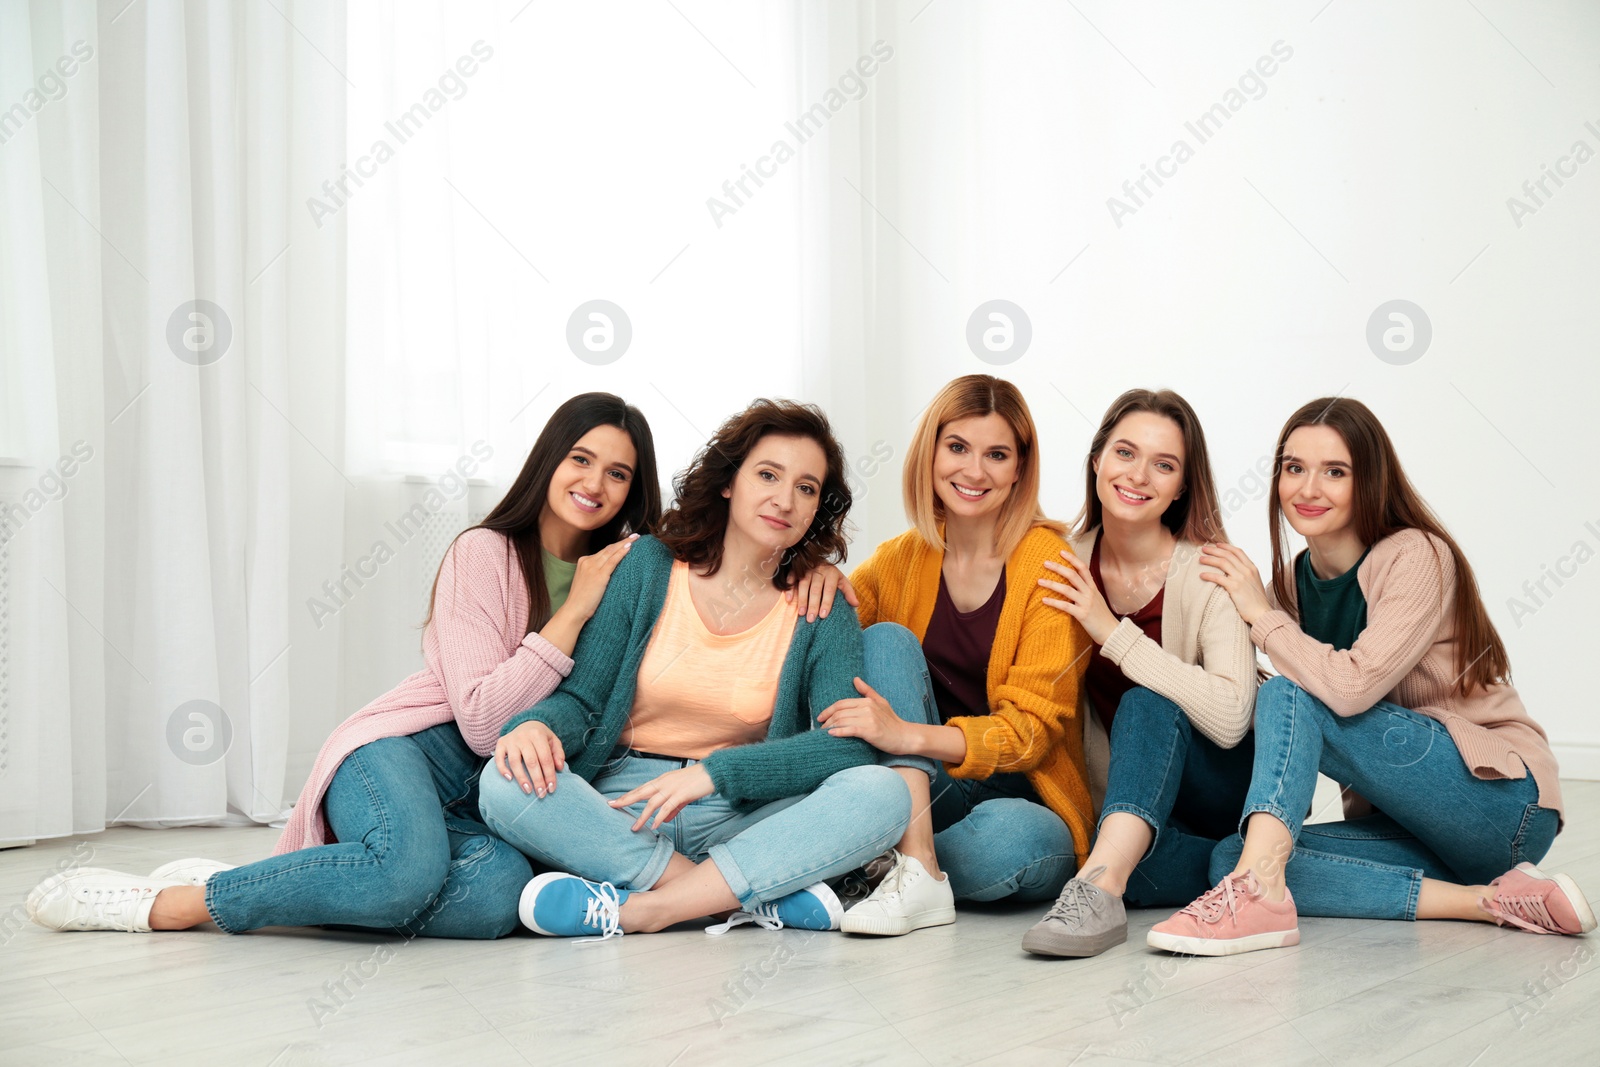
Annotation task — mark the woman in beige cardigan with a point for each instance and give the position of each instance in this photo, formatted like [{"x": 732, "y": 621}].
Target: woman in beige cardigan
[{"x": 1171, "y": 682}]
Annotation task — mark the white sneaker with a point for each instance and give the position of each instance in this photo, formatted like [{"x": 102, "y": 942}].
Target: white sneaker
[
  {"x": 907, "y": 899},
  {"x": 190, "y": 871},
  {"x": 93, "y": 898}
]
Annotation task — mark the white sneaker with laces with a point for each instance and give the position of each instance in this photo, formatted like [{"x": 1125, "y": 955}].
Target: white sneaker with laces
[
  {"x": 190, "y": 871},
  {"x": 94, "y": 898},
  {"x": 908, "y": 898}
]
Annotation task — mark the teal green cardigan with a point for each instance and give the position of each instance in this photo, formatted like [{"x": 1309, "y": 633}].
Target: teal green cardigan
[{"x": 590, "y": 709}]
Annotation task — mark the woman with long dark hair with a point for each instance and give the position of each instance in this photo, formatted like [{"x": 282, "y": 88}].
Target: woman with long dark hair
[
  {"x": 1171, "y": 680},
  {"x": 694, "y": 702},
  {"x": 1394, "y": 683},
  {"x": 386, "y": 833}
]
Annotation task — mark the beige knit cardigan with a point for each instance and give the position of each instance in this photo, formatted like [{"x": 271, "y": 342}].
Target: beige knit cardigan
[{"x": 1205, "y": 662}]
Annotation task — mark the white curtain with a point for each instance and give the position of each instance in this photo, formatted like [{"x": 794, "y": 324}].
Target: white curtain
[
  {"x": 244, "y": 558},
  {"x": 170, "y": 338}
]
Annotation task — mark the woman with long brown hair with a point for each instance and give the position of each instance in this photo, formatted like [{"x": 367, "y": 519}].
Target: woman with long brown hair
[
  {"x": 1171, "y": 680},
  {"x": 973, "y": 690},
  {"x": 1394, "y": 683},
  {"x": 386, "y": 833}
]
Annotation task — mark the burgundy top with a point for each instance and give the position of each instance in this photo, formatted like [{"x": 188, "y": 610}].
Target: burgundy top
[
  {"x": 957, "y": 647},
  {"x": 1104, "y": 680}
]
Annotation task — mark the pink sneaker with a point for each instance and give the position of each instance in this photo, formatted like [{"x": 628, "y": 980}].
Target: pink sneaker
[
  {"x": 1529, "y": 899},
  {"x": 1231, "y": 918}
]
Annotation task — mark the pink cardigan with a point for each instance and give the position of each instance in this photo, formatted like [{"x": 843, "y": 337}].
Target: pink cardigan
[
  {"x": 480, "y": 671},
  {"x": 1406, "y": 656}
]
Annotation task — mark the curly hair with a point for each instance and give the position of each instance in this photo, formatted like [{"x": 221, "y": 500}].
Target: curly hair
[{"x": 693, "y": 528}]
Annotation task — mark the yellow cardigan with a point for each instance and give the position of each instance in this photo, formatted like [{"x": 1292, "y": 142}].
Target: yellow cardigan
[{"x": 1035, "y": 668}]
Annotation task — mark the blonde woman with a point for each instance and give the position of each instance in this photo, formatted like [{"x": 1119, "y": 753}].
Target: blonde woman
[{"x": 974, "y": 678}]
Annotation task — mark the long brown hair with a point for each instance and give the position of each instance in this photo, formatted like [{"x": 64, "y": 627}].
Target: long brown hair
[
  {"x": 693, "y": 528},
  {"x": 974, "y": 396},
  {"x": 1384, "y": 503},
  {"x": 1195, "y": 515},
  {"x": 518, "y": 513}
]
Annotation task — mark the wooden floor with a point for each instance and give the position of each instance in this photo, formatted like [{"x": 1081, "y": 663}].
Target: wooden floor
[{"x": 1353, "y": 992}]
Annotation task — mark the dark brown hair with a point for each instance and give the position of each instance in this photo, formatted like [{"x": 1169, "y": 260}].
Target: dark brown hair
[
  {"x": 1384, "y": 502},
  {"x": 519, "y": 511},
  {"x": 1195, "y": 515},
  {"x": 693, "y": 528}
]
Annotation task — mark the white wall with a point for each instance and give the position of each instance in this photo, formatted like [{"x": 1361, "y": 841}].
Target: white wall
[{"x": 1375, "y": 165}]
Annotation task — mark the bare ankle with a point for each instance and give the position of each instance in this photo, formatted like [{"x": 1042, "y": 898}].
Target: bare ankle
[
  {"x": 637, "y": 916},
  {"x": 1104, "y": 878},
  {"x": 926, "y": 857},
  {"x": 1271, "y": 888},
  {"x": 179, "y": 908}
]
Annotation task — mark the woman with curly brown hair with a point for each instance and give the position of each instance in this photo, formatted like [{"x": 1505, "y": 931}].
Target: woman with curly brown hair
[{"x": 677, "y": 772}]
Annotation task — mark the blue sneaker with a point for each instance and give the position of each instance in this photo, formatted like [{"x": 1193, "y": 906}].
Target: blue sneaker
[
  {"x": 813, "y": 908},
  {"x": 564, "y": 905}
]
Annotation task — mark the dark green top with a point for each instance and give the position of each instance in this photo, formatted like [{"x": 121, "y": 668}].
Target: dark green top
[
  {"x": 1332, "y": 610},
  {"x": 590, "y": 709},
  {"x": 557, "y": 578}
]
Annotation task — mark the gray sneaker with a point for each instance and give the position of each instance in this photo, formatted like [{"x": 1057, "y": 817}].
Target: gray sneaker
[{"x": 1084, "y": 921}]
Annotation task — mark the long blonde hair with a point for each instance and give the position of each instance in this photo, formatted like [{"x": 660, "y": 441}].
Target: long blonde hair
[{"x": 974, "y": 396}]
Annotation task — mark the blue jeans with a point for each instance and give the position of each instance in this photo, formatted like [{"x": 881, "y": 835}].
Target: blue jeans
[
  {"x": 411, "y": 856},
  {"x": 1434, "y": 818},
  {"x": 993, "y": 837},
  {"x": 765, "y": 854},
  {"x": 1188, "y": 789}
]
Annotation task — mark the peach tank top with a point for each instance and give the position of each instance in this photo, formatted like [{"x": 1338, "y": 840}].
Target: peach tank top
[{"x": 699, "y": 691}]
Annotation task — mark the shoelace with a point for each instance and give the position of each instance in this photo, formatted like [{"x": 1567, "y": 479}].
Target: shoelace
[
  {"x": 1511, "y": 911},
  {"x": 1076, "y": 897},
  {"x": 1211, "y": 905},
  {"x": 899, "y": 877},
  {"x": 765, "y": 916},
  {"x": 112, "y": 906},
  {"x": 604, "y": 912}
]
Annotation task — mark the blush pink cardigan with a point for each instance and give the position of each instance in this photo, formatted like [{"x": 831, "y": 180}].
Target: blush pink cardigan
[
  {"x": 1407, "y": 655},
  {"x": 480, "y": 671}
]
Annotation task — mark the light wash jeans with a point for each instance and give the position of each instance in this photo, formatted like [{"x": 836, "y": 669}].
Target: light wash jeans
[
  {"x": 1436, "y": 820},
  {"x": 411, "y": 856},
  {"x": 764, "y": 854},
  {"x": 993, "y": 837},
  {"x": 1187, "y": 788}
]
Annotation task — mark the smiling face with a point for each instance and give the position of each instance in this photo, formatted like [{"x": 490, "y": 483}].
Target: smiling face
[
  {"x": 776, "y": 492},
  {"x": 590, "y": 486},
  {"x": 1315, "y": 489},
  {"x": 1140, "y": 472},
  {"x": 975, "y": 466}
]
